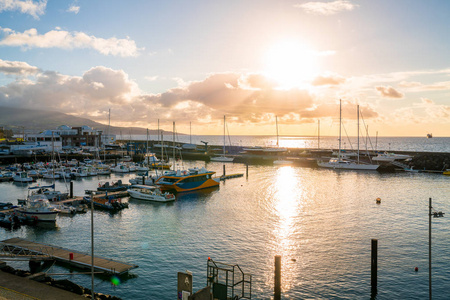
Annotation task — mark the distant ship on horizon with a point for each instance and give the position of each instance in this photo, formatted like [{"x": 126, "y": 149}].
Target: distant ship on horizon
[{"x": 429, "y": 135}]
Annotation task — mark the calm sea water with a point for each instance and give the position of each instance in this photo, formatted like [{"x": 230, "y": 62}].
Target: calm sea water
[
  {"x": 320, "y": 221},
  {"x": 420, "y": 144}
]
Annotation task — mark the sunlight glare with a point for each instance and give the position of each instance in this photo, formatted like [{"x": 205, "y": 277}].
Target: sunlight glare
[{"x": 290, "y": 63}]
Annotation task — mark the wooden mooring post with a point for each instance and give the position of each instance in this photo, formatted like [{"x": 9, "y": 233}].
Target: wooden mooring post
[
  {"x": 277, "y": 286},
  {"x": 71, "y": 189},
  {"x": 374, "y": 265},
  {"x": 224, "y": 173},
  {"x": 246, "y": 172}
]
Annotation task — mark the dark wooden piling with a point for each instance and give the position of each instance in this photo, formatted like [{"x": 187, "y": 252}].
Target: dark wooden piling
[
  {"x": 71, "y": 190},
  {"x": 224, "y": 173},
  {"x": 246, "y": 172},
  {"x": 374, "y": 264},
  {"x": 277, "y": 286}
]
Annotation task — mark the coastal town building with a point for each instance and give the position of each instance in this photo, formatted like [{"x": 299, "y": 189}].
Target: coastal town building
[{"x": 61, "y": 138}]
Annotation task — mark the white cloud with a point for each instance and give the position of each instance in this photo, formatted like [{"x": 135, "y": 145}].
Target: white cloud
[
  {"x": 74, "y": 9},
  {"x": 35, "y": 9},
  {"x": 389, "y": 92},
  {"x": 69, "y": 40},
  {"x": 327, "y": 8},
  {"x": 17, "y": 68}
]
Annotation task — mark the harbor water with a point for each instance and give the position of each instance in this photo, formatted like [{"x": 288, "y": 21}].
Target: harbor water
[
  {"x": 320, "y": 221},
  {"x": 414, "y": 144}
]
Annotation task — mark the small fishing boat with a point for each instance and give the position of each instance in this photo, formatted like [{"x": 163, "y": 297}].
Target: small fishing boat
[
  {"x": 150, "y": 193},
  {"x": 38, "y": 208},
  {"x": 113, "y": 187},
  {"x": 446, "y": 172},
  {"x": 106, "y": 202},
  {"x": 65, "y": 209},
  {"x": 51, "y": 195},
  {"x": 22, "y": 177}
]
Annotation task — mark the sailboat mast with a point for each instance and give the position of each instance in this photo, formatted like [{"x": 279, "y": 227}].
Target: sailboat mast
[
  {"x": 358, "y": 130},
  {"x": 276, "y": 123},
  {"x": 340, "y": 125},
  {"x": 223, "y": 135},
  {"x": 318, "y": 134},
  {"x": 173, "y": 145}
]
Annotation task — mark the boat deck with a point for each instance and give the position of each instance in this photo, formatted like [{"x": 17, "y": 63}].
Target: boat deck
[{"x": 19, "y": 246}]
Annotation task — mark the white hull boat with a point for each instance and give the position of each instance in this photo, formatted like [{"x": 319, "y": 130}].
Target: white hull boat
[
  {"x": 150, "y": 193},
  {"x": 38, "y": 208}
]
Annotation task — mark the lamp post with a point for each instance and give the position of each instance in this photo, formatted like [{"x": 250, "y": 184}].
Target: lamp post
[{"x": 435, "y": 214}]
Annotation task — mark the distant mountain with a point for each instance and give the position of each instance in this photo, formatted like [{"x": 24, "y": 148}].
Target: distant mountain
[{"x": 30, "y": 120}]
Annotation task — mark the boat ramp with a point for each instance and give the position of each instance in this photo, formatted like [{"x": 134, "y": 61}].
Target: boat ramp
[{"x": 18, "y": 247}]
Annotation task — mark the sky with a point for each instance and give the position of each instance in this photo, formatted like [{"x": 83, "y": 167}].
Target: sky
[{"x": 257, "y": 62}]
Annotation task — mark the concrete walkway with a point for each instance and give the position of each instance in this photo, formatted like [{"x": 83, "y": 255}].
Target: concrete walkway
[{"x": 20, "y": 288}]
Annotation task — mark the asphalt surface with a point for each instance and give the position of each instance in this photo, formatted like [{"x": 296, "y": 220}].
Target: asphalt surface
[{"x": 20, "y": 288}]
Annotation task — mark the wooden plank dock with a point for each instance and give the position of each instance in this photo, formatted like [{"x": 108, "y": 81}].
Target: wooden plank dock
[{"x": 66, "y": 256}]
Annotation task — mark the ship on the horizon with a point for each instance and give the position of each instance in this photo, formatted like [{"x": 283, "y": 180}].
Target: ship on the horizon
[{"x": 429, "y": 135}]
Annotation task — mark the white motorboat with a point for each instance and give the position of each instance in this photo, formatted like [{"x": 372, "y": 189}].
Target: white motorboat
[
  {"x": 22, "y": 177},
  {"x": 64, "y": 209},
  {"x": 386, "y": 156},
  {"x": 120, "y": 168},
  {"x": 150, "y": 193},
  {"x": 38, "y": 208}
]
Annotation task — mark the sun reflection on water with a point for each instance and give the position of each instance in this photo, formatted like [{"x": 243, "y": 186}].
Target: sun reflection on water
[{"x": 288, "y": 203}]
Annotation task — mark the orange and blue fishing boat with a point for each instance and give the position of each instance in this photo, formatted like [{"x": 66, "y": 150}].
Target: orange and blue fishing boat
[{"x": 187, "y": 180}]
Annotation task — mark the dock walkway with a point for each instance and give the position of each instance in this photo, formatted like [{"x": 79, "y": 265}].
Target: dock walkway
[{"x": 62, "y": 255}]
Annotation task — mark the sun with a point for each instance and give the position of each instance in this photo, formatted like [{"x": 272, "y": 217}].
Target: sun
[{"x": 290, "y": 63}]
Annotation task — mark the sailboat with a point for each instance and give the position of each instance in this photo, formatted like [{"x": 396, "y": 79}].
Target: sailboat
[
  {"x": 342, "y": 163},
  {"x": 223, "y": 158}
]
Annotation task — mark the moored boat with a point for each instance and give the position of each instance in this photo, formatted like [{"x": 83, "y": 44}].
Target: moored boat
[
  {"x": 38, "y": 208},
  {"x": 106, "y": 202},
  {"x": 188, "y": 180},
  {"x": 150, "y": 193}
]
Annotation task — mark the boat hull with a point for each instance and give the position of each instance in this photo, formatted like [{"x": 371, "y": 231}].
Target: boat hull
[
  {"x": 40, "y": 216},
  {"x": 150, "y": 197},
  {"x": 347, "y": 166}
]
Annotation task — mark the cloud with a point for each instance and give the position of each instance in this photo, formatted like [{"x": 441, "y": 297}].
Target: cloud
[
  {"x": 35, "y": 9},
  {"x": 69, "y": 40},
  {"x": 327, "y": 8},
  {"x": 17, "y": 68},
  {"x": 389, "y": 92},
  {"x": 419, "y": 87},
  {"x": 328, "y": 79},
  {"x": 246, "y": 98},
  {"x": 74, "y": 9}
]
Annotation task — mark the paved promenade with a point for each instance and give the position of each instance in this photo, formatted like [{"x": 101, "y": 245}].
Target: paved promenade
[{"x": 19, "y": 288}]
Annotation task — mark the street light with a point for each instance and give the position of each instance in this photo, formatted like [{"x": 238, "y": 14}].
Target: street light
[{"x": 434, "y": 214}]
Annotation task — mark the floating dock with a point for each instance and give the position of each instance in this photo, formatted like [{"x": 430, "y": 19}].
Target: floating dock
[
  {"x": 224, "y": 177},
  {"x": 22, "y": 247}
]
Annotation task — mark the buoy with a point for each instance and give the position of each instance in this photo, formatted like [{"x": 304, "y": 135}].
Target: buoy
[
  {"x": 416, "y": 269},
  {"x": 378, "y": 200},
  {"x": 293, "y": 259}
]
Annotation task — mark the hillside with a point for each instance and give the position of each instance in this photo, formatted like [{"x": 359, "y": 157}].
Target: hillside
[{"x": 29, "y": 120}]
